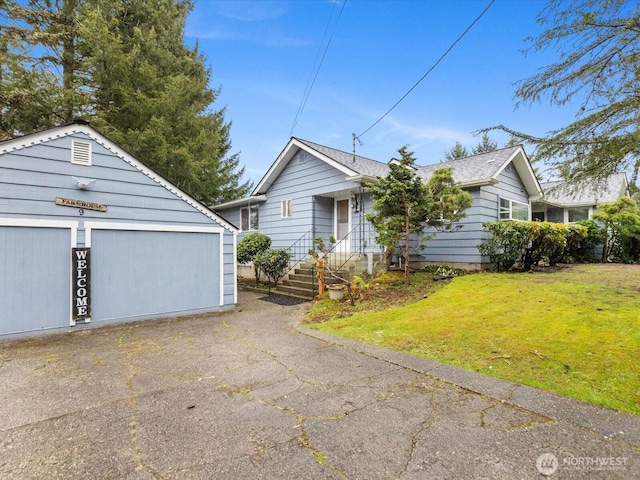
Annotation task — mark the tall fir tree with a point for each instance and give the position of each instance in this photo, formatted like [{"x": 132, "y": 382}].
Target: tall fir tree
[
  {"x": 485, "y": 145},
  {"x": 124, "y": 66},
  {"x": 455, "y": 152}
]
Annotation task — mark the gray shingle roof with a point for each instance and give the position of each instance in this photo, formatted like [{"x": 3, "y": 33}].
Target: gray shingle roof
[
  {"x": 474, "y": 168},
  {"x": 361, "y": 165},
  {"x": 563, "y": 194}
]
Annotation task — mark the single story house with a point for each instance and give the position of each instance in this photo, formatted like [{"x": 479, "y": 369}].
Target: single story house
[
  {"x": 91, "y": 236},
  {"x": 564, "y": 203},
  {"x": 313, "y": 191}
]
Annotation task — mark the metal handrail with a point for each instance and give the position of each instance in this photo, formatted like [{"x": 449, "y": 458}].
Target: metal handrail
[
  {"x": 299, "y": 250},
  {"x": 362, "y": 236}
]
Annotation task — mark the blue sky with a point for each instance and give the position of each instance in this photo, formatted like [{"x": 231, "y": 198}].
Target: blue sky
[{"x": 262, "y": 55}]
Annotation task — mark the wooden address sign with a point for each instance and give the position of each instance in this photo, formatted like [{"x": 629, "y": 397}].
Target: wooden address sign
[{"x": 70, "y": 202}]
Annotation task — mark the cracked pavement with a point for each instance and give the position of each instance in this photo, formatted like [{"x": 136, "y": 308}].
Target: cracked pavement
[{"x": 249, "y": 394}]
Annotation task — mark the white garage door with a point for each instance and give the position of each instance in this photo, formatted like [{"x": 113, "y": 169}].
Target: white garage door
[{"x": 146, "y": 274}]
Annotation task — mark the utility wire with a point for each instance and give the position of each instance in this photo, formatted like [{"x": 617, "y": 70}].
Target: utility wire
[
  {"x": 312, "y": 77},
  {"x": 430, "y": 70}
]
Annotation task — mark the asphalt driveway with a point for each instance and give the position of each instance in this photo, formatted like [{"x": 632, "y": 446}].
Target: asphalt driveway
[{"x": 249, "y": 395}]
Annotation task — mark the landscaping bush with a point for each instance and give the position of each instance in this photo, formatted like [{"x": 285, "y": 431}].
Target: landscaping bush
[
  {"x": 582, "y": 240},
  {"x": 250, "y": 246},
  {"x": 531, "y": 242},
  {"x": 506, "y": 244},
  {"x": 621, "y": 221},
  {"x": 546, "y": 241},
  {"x": 273, "y": 263}
]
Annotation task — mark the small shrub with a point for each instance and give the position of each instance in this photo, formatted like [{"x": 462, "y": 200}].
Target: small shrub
[
  {"x": 273, "y": 263},
  {"x": 546, "y": 240},
  {"x": 582, "y": 240},
  {"x": 506, "y": 244},
  {"x": 251, "y": 245}
]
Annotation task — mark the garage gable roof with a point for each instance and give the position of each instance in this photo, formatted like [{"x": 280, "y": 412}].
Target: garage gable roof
[{"x": 84, "y": 128}]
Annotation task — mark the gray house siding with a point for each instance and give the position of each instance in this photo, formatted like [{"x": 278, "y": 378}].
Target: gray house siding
[
  {"x": 462, "y": 246},
  {"x": 311, "y": 185},
  {"x": 154, "y": 251}
]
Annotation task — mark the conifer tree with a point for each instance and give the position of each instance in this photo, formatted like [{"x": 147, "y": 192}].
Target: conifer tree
[{"x": 122, "y": 65}]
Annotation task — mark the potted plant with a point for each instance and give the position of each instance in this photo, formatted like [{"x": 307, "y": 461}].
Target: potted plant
[{"x": 336, "y": 291}]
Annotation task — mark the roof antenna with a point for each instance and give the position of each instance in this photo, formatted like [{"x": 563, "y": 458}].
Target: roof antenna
[{"x": 355, "y": 137}]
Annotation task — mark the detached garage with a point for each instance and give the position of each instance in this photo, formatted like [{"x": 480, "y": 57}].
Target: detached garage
[{"x": 89, "y": 236}]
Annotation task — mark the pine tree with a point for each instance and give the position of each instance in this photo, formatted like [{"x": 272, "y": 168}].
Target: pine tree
[
  {"x": 125, "y": 68},
  {"x": 404, "y": 206}
]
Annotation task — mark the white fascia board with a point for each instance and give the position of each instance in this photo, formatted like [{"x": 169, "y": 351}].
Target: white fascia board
[
  {"x": 479, "y": 183},
  {"x": 241, "y": 202},
  {"x": 362, "y": 179}
]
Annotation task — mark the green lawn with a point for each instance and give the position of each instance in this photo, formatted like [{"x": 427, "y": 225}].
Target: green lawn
[{"x": 575, "y": 332}]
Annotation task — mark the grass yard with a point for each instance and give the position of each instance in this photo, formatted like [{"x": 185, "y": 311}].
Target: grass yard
[{"x": 575, "y": 331}]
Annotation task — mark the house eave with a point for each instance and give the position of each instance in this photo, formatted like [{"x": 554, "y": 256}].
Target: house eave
[
  {"x": 241, "y": 202},
  {"x": 361, "y": 179},
  {"x": 479, "y": 182}
]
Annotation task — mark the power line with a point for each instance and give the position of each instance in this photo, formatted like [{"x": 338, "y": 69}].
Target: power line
[
  {"x": 430, "y": 69},
  {"x": 312, "y": 76}
]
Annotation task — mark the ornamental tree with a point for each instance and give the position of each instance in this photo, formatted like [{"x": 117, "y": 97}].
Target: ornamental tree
[{"x": 404, "y": 206}]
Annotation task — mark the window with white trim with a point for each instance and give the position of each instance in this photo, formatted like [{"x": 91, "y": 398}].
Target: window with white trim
[
  {"x": 285, "y": 208},
  {"x": 513, "y": 210},
  {"x": 249, "y": 219},
  {"x": 577, "y": 214}
]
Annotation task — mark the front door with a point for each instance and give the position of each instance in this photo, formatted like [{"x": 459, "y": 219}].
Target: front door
[{"x": 342, "y": 225}]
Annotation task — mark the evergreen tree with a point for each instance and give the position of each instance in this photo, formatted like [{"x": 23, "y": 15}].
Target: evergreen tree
[
  {"x": 485, "y": 145},
  {"x": 457, "y": 151},
  {"x": 125, "y": 68},
  {"x": 599, "y": 46},
  {"x": 405, "y": 205}
]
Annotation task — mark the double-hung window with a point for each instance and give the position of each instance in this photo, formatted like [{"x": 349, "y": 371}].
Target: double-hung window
[
  {"x": 249, "y": 219},
  {"x": 513, "y": 210},
  {"x": 285, "y": 208}
]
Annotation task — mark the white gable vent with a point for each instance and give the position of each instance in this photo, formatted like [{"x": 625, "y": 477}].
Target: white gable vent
[{"x": 80, "y": 152}]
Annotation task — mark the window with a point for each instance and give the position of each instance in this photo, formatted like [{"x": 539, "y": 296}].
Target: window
[
  {"x": 285, "y": 208},
  {"x": 512, "y": 210},
  {"x": 249, "y": 219},
  {"x": 578, "y": 214}
]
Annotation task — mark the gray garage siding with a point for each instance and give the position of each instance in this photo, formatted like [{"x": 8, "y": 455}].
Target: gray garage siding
[{"x": 36, "y": 169}]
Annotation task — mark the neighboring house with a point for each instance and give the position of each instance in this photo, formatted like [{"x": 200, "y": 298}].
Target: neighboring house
[
  {"x": 563, "y": 203},
  {"x": 315, "y": 191},
  {"x": 90, "y": 236}
]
